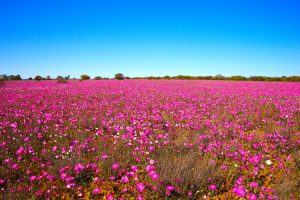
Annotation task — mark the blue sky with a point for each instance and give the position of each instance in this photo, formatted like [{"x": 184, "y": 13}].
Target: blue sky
[{"x": 144, "y": 38}]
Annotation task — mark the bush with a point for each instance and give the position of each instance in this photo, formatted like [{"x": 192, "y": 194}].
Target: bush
[
  {"x": 38, "y": 78},
  {"x": 62, "y": 81},
  {"x": 257, "y": 78},
  {"x": 219, "y": 77},
  {"x": 98, "y": 78},
  {"x": 119, "y": 76},
  {"x": 84, "y": 77},
  {"x": 237, "y": 78}
]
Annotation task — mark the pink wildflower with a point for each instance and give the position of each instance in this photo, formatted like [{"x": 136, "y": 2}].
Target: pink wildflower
[
  {"x": 32, "y": 178},
  {"x": 252, "y": 197},
  {"x": 240, "y": 191},
  {"x": 140, "y": 187},
  {"x": 63, "y": 176},
  {"x": 39, "y": 136},
  {"x": 212, "y": 187},
  {"x": 240, "y": 180},
  {"x": 149, "y": 168},
  {"x": 115, "y": 166},
  {"x": 170, "y": 188},
  {"x": 13, "y": 125},
  {"x": 15, "y": 166},
  {"x": 96, "y": 191},
  {"x": 125, "y": 179},
  {"x": 109, "y": 197},
  {"x": 254, "y": 184},
  {"x": 134, "y": 168},
  {"x": 140, "y": 197},
  {"x": 154, "y": 175},
  {"x": 151, "y": 162}
]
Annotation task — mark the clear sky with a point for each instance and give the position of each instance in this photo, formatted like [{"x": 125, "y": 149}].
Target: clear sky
[{"x": 149, "y": 37}]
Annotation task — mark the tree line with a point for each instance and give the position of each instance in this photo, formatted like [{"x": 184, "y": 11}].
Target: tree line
[
  {"x": 230, "y": 78},
  {"x": 4, "y": 77},
  {"x": 120, "y": 76}
]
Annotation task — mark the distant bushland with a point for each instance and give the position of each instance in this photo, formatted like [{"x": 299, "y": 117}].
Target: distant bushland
[{"x": 229, "y": 78}]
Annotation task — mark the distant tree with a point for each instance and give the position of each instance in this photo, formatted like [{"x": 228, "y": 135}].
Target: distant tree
[
  {"x": 180, "y": 77},
  {"x": 219, "y": 77},
  {"x": 4, "y": 77},
  {"x": 127, "y": 77},
  {"x": 18, "y": 77},
  {"x": 84, "y": 77},
  {"x": 48, "y": 78},
  {"x": 61, "y": 79},
  {"x": 293, "y": 78},
  {"x": 283, "y": 78},
  {"x": 38, "y": 78},
  {"x": 273, "y": 78},
  {"x": 67, "y": 77},
  {"x": 257, "y": 78},
  {"x": 30, "y": 78},
  {"x": 98, "y": 78},
  {"x": 205, "y": 77},
  {"x": 185, "y": 77},
  {"x": 14, "y": 77},
  {"x": 154, "y": 78},
  {"x": 119, "y": 76},
  {"x": 237, "y": 78}
]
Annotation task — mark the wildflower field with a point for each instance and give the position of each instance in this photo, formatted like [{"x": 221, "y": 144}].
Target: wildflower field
[{"x": 148, "y": 139}]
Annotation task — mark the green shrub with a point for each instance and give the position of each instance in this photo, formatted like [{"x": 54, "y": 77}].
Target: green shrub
[
  {"x": 119, "y": 76},
  {"x": 62, "y": 81},
  {"x": 38, "y": 78},
  {"x": 84, "y": 77}
]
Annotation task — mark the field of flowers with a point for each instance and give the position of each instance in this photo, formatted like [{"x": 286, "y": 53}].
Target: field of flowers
[{"x": 143, "y": 139}]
